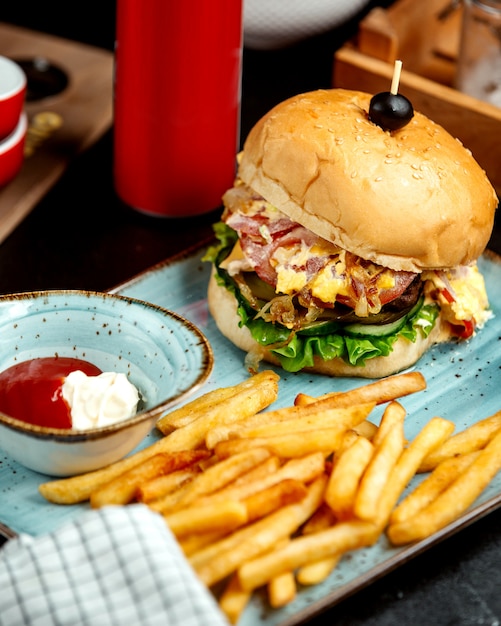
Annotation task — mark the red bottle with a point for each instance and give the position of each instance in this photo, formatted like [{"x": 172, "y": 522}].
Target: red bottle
[{"x": 176, "y": 103}]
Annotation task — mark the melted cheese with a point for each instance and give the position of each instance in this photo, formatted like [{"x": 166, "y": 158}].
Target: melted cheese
[
  {"x": 236, "y": 262},
  {"x": 386, "y": 280},
  {"x": 325, "y": 285},
  {"x": 470, "y": 295},
  {"x": 262, "y": 208}
]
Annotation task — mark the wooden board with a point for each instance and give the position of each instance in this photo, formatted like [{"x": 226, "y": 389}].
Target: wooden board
[
  {"x": 403, "y": 31},
  {"x": 60, "y": 125},
  {"x": 424, "y": 34}
]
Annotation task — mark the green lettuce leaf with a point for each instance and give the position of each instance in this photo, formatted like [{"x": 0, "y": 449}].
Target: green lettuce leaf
[{"x": 226, "y": 239}]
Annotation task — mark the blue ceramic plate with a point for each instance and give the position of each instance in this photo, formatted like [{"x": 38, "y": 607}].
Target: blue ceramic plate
[{"x": 462, "y": 385}]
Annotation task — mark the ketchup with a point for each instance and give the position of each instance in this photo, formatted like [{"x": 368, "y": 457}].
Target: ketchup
[{"x": 31, "y": 391}]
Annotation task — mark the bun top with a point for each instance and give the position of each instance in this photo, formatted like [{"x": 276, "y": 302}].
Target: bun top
[{"x": 410, "y": 199}]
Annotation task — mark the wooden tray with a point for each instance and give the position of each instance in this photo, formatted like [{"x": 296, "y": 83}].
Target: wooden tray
[
  {"x": 425, "y": 36},
  {"x": 60, "y": 125}
]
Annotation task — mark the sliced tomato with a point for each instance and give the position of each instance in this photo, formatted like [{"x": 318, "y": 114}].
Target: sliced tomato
[
  {"x": 365, "y": 286},
  {"x": 447, "y": 295},
  {"x": 464, "y": 330},
  {"x": 402, "y": 281}
]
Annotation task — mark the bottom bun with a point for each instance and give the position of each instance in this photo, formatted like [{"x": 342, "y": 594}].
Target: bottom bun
[{"x": 223, "y": 308}]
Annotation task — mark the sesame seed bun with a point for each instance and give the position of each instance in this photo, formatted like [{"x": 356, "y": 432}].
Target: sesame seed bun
[{"x": 410, "y": 199}]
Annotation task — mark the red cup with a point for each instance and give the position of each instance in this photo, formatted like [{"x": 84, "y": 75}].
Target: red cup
[
  {"x": 12, "y": 94},
  {"x": 176, "y": 103},
  {"x": 12, "y": 151}
]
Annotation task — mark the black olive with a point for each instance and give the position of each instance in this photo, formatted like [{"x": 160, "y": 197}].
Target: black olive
[{"x": 390, "y": 111}]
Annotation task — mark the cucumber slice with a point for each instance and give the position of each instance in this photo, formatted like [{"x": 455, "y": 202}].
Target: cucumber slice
[
  {"x": 259, "y": 288},
  {"x": 375, "y": 330},
  {"x": 324, "y": 327},
  {"x": 383, "y": 330},
  {"x": 362, "y": 329}
]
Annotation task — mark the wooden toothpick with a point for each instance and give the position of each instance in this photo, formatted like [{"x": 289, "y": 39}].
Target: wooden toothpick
[{"x": 396, "y": 77}]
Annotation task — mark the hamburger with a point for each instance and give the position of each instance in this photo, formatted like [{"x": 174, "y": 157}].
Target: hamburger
[{"x": 347, "y": 249}]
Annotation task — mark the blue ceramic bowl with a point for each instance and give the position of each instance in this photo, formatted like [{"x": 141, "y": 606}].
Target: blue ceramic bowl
[{"x": 164, "y": 355}]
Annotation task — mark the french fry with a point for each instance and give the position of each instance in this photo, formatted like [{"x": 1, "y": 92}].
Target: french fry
[
  {"x": 349, "y": 438},
  {"x": 282, "y": 590},
  {"x": 223, "y": 473},
  {"x": 276, "y": 498},
  {"x": 346, "y": 476},
  {"x": 428, "y": 489},
  {"x": 432, "y": 435},
  {"x": 195, "y": 542},
  {"x": 475, "y": 437},
  {"x": 209, "y": 462},
  {"x": 259, "y": 477},
  {"x": 286, "y": 414},
  {"x": 79, "y": 488},
  {"x": 304, "y": 412},
  {"x": 246, "y": 402},
  {"x": 191, "y": 411},
  {"x": 375, "y": 478},
  {"x": 270, "y": 499},
  {"x": 317, "y": 571},
  {"x": 221, "y": 559},
  {"x": 162, "y": 485},
  {"x": 320, "y": 520},
  {"x": 296, "y": 515},
  {"x": 259, "y": 472},
  {"x": 217, "y": 434},
  {"x": 394, "y": 413},
  {"x": 287, "y": 445},
  {"x": 366, "y": 429},
  {"x": 380, "y": 391},
  {"x": 254, "y": 394},
  {"x": 266, "y": 418},
  {"x": 339, "y": 539},
  {"x": 349, "y": 417},
  {"x": 224, "y": 517},
  {"x": 122, "y": 489},
  {"x": 249, "y": 397},
  {"x": 233, "y": 600},
  {"x": 169, "y": 502},
  {"x": 305, "y": 469},
  {"x": 454, "y": 501},
  {"x": 330, "y": 418},
  {"x": 215, "y": 477}
]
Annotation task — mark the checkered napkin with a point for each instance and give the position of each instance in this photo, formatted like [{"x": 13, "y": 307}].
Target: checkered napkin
[{"x": 110, "y": 567}]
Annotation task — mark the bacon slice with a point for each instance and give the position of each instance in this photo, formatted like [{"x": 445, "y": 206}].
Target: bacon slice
[
  {"x": 260, "y": 237},
  {"x": 263, "y": 231}
]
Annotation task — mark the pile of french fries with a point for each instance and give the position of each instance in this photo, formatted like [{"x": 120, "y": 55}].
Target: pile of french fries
[{"x": 273, "y": 499}]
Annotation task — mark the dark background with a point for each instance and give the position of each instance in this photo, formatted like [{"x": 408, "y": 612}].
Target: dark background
[{"x": 267, "y": 78}]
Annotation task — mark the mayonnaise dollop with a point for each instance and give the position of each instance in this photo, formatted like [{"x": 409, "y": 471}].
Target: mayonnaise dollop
[{"x": 100, "y": 400}]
